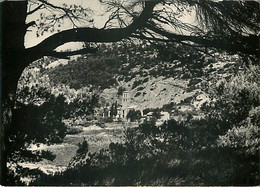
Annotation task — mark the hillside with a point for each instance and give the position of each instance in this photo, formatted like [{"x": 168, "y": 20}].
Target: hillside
[
  {"x": 179, "y": 81},
  {"x": 183, "y": 85}
]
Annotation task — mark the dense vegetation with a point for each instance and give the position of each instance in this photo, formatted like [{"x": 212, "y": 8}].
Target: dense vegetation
[
  {"x": 174, "y": 153},
  {"x": 119, "y": 61},
  {"x": 39, "y": 119},
  {"x": 221, "y": 148}
]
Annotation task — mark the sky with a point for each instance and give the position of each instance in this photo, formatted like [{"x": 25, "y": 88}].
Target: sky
[{"x": 99, "y": 21}]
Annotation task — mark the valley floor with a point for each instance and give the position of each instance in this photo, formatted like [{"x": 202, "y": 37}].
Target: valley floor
[{"x": 96, "y": 137}]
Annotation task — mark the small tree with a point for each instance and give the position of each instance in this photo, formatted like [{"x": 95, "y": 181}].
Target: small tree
[
  {"x": 134, "y": 115},
  {"x": 115, "y": 109},
  {"x": 112, "y": 110},
  {"x": 120, "y": 90}
]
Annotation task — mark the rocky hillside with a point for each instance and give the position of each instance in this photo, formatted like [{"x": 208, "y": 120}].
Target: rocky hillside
[{"x": 164, "y": 77}]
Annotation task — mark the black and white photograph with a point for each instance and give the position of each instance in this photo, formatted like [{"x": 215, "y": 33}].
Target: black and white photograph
[{"x": 130, "y": 93}]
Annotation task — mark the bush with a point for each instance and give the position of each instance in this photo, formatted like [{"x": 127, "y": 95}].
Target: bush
[
  {"x": 140, "y": 88},
  {"x": 137, "y": 94},
  {"x": 134, "y": 115},
  {"x": 136, "y": 83}
]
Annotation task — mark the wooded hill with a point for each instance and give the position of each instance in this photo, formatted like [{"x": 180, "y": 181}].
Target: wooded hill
[{"x": 161, "y": 76}]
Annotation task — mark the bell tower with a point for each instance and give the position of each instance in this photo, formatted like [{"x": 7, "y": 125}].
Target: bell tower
[{"x": 125, "y": 102}]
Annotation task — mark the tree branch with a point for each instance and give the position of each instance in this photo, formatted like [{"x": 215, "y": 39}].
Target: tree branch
[
  {"x": 34, "y": 10},
  {"x": 238, "y": 43},
  {"x": 90, "y": 34},
  {"x": 30, "y": 24},
  {"x": 69, "y": 13}
]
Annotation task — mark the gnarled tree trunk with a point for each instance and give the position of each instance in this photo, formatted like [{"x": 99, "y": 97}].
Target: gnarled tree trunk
[{"x": 13, "y": 32}]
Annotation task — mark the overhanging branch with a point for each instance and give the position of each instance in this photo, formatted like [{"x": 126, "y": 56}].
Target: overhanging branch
[
  {"x": 48, "y": 45},
  {"x": 30, "y": 24},
  {"x": 34, "y": 10},
  {"x": 238, "y": 43}
]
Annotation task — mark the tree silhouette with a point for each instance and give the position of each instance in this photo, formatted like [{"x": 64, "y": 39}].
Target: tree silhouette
[{"x": 230, "y": 26}]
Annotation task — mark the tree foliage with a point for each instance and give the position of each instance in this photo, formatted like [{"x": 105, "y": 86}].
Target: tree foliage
[
  {"x": 134, "y": 115},
  {"x": 34, "y": 125},
  {"x": 220, "y": 149},
  {"x": 229, "y": 26},
  {"x": 175, "y": 153}
]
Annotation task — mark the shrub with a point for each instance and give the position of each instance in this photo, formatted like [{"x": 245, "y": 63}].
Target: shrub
[{"x": 137, "y": 94}]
